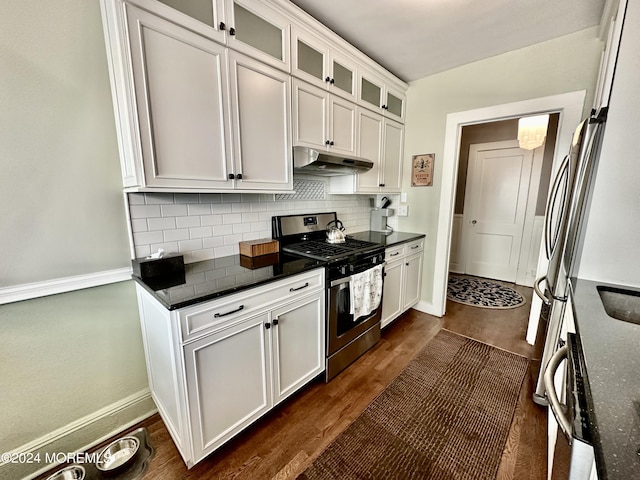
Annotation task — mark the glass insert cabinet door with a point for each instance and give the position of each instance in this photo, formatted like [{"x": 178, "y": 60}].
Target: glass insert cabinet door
[
  {"x": 315, "y": 62},
  {"x": 370, "y": 92},
  {"x": 253, "y": 29},
  {"x": 258, "y": 31}
]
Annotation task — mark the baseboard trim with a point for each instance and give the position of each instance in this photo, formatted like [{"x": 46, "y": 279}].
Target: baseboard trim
[
  {"x": 28, "y": 291},
  {"x": 83, "y": 434}
]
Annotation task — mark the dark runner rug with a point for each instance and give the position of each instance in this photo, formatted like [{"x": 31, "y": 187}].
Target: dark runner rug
[
  {"x": 479, "y": 292},
  {"x": 446, "y": 416}
]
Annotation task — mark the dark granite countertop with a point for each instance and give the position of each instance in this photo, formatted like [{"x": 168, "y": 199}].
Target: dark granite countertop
[
  {"x": 215, "y": 278},
  {"x": 395, "y": 238},
  {"x": 611, "y": 350},
  {"x": 210, "y": 279}
]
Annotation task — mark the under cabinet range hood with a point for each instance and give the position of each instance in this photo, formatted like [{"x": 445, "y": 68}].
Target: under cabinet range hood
[{"x": 312, "y": 162}]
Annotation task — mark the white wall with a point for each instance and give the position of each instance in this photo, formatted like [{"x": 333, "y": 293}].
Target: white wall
[
  {"x": 562, "y": 65},
  {"x": 610, "y": 252}
]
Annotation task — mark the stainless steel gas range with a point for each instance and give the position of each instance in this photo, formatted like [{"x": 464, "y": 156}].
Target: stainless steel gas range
[{"x": 349, "y": 334}]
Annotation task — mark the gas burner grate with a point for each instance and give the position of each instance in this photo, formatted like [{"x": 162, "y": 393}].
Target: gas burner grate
[{"x": 328, "y": 250}]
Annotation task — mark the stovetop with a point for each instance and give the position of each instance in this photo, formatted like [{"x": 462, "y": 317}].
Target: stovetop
[{"x": 323, "y": 250}]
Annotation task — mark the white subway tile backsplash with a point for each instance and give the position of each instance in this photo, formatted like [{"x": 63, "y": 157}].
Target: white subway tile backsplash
[
  {"x": 199, "y": 208},
  {"x": 147, "y": 238},
  {"x": 188, "y": 222},
  {"x": 177, "y": 234},
  {"x": 161, "y": 223},
  {"x": 200, "y": 232},
  {"x": 205, "y": 226},
  {"x": 178, "y": 210},
  {"x": 144, "y": 211},
  {"x": 241, "y": 228},
  {"x": 211, "y": 220},
  {"x": 223, "y": 230},
  {"x": 231, "y": 218},
  {"x": 139, "y": 225}
]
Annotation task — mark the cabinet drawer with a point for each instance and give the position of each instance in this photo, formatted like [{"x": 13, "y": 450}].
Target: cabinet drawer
[
  {"x": 413, "y": 247},
  {"x": 394, "y": 253},
  {"x": 210, "y": 316}
]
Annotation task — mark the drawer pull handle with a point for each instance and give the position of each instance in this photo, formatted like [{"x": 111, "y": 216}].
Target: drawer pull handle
[
  {"x": 415, "y": 246},
  {"x": 218, "y": 315},
  {"x": 395, "y": 254},
  {"x": 299, "y": 288}
]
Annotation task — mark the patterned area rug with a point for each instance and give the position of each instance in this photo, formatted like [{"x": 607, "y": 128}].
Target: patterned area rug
[
  {"x": 478, "y": 292},
  {"x": 446, "y": 416}
]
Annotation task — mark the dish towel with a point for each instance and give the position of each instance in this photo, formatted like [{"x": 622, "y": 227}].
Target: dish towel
[{"x": 365, "y": 290}]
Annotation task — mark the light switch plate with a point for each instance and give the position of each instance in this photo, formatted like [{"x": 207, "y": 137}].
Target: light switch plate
[
  {"x": 403, "y": 210},
  {"x": 403, "y": 197}
]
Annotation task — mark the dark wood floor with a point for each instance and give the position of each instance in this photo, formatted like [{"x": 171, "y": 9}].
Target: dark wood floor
[{"x": 282, "y": 444}]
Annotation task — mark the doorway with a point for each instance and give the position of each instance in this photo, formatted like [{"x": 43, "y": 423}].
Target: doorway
[
  {"x": 568, "y": 105},
  {"x": 500, "y": 202}
]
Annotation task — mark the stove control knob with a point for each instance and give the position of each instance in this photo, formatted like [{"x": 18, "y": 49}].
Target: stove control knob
[{"x": 351, "y": 269}]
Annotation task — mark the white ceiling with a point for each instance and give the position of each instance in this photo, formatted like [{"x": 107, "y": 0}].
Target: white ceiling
[{"x": 417, "y": 38}]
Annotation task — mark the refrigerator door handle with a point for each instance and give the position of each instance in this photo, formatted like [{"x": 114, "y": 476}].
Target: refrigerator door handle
[
  {"x": 554, "y": 403},
  {"x": 551, "y": 203},
  {"x": 539, "y": 292}
]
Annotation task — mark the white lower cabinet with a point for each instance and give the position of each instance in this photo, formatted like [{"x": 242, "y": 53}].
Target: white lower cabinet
[
  {"x": 228, "y": 382},
  {"x": 222, "y": 378},
  {"x": 403, "y": 279}
]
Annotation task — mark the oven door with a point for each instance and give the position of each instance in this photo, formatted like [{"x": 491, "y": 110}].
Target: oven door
[{"x": 342, "y": 328}]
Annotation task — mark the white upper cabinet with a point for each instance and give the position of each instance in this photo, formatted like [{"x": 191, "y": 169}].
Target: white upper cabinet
[
  {"x": 315, "y": 62},
  {"x": 377, "y": 94},
  {"x": 323, "y": 121},
  {"x": 261, "y": 102},
  {"x": 380, "y": 140},
  {"x": 244, "y": 25},
  {"x": 203, "y": 97},
  {"x": 259, "y": 31},
  {"x": 180, "y": 82}
]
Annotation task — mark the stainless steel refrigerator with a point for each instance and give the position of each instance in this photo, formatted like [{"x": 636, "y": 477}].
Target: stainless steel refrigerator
[{"x": 564, "y": 221}]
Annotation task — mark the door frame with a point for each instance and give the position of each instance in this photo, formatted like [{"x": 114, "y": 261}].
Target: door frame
[
  {"x": 568, "y": 105},
  {"x": 530, "y": 208}
]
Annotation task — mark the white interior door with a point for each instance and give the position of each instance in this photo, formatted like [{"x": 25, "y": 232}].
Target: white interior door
[{"x": 495, "y": 204}]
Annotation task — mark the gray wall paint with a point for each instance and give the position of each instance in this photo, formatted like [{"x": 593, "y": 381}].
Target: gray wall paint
[
  {"x": 498, "y": 132},
  {"x": 61, "y": 204},
  {"x": 64, "y": 356}
]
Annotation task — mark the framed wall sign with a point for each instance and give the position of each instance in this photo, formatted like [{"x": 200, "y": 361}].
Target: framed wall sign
[{"x": 422, "y": 170}]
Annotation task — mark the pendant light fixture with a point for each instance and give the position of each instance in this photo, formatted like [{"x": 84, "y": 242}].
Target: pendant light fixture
[{"x": 532, "y": 131}]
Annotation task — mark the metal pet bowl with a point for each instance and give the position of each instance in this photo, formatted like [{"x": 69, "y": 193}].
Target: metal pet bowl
[
  {"x": 117, "y": 455},
  {"x": 73, "y": 472}
]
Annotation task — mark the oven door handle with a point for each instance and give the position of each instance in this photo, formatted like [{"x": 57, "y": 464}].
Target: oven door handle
[
  {"x": 554, "y": 403},
  {"x": 348, "y": 279}
]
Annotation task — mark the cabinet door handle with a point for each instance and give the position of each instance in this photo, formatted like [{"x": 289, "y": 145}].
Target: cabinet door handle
[
  {"x": 384, "y": 107},
  {"x": 218, "y": 315},
  {"x": 231, "y": 176},
  {"x": 331, "y": 143},
  {"x": 275, "y": 322},
  {"x": 267, "y": 325},
  {"x": 332, "y": 81},
  {"x": 299, "y": 288},
  {"x": 222, "y": 26},
  {"x": 407, "y": 264},
  {"x": 239, "y": 176},
  {"x": 395, "y": 254},
  {"x": 327, "y": 79},
  {"x": 232, "y": 31},
  {"x": 326, "y": 142}
]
